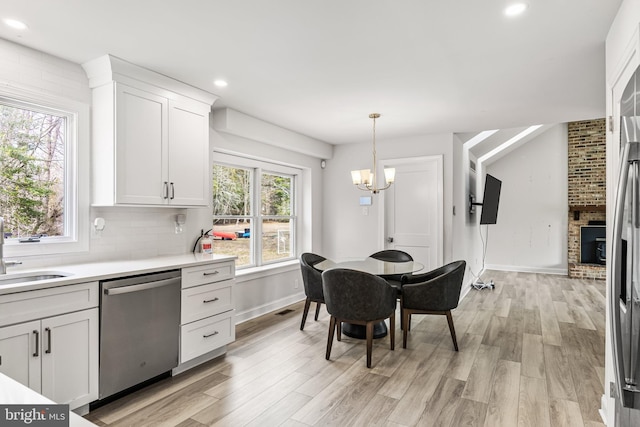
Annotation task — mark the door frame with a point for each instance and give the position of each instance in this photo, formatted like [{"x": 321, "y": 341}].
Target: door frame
[{"x": 439, "y": 159}]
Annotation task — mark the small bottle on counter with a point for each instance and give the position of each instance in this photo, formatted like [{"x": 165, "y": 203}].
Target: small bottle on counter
[{"x": 206, "y": 245}]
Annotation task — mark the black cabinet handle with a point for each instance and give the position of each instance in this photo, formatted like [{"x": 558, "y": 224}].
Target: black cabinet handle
[
  {"x": 210, "y": 335},
  {"x": 213, "y": 273},
  {"x": 211, "y": 300},
  {"x": 37, "y": 335},
  {"x": 48, "y": 331},
  {"x": 165, "y": 190}
]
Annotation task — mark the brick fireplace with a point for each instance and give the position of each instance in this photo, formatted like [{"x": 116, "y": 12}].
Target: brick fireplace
[{"x": 586, "y": 190}]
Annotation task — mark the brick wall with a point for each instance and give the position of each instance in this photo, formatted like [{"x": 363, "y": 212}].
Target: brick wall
[
  {"x": 587, "y": 163},
  {"x": 586, "y": 188}
]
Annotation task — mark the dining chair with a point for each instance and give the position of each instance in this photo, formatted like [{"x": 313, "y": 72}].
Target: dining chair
[
  {"x": 312, "y": 281},
  {"x": 393, "y": 255},
  {"x": 359, "y": 298},
  {"x": 435, "y": 292}
]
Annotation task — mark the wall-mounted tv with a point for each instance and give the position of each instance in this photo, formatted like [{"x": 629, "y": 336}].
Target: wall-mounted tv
[{"x": 490, "y": 200}]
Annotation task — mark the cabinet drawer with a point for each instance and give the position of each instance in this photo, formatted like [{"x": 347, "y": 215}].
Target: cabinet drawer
[
  {"x": 206, "y": 300},
  {"x": 194, "y": 276},
  {"x": 206, "y": 335},
  {"x": 30, "y": 305}
]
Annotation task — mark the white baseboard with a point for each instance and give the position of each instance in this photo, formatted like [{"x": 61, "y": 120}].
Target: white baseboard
[
  {"x": 603, "y": 408},
  {"x": 525, "y": 269},
  {"x": 254, "y": 312}
]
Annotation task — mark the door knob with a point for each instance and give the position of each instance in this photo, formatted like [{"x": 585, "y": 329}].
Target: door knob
[{"x": 390, "y": 239}]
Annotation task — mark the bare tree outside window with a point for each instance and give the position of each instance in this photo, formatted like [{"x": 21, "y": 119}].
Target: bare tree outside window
[
  {"x": 253, "y": 219},
  {"x": 32, "y": 170},
  {"x": 277, "y": 221}
]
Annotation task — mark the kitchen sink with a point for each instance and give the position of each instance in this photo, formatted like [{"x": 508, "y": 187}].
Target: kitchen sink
[{"x": 31, "y": 277}]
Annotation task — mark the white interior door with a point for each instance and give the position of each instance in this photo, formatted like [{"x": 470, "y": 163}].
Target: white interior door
[{"x": 413, "y": 210}]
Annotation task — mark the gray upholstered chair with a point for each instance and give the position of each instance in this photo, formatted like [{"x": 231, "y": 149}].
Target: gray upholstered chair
[
  {"x": 361, "y": 299},
  {"x": 312, "y": 280},
  {"x": 435, "y": 292}
]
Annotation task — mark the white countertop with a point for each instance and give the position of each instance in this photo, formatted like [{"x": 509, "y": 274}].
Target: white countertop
[
  {"x": 14, "y": 393},
  {"x": 81, "y": 273}
]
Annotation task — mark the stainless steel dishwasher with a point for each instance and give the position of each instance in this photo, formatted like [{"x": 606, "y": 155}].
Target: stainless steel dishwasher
[{"x": 139, "y": 329}]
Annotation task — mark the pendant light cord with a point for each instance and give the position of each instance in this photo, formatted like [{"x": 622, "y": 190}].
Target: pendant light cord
[{"x": 374, "y": 185}]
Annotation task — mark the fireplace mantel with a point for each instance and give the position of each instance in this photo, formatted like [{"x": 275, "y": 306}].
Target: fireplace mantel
[{"x": 588, "y": 208}]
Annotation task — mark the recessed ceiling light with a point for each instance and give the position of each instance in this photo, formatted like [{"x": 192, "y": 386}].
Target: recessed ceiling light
[
  {"x": 14, "y": 23},
  {"x": 515, "y": 9},
  {"x": 220, "y": 83}
]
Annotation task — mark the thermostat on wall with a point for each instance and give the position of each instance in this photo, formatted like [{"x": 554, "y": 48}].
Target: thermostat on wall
[{"x": 365, "y": 201}]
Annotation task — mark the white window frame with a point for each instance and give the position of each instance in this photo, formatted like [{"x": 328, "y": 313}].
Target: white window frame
[
  {"x": 257, "y": 167},
  {"x": 76, "y": 209}
]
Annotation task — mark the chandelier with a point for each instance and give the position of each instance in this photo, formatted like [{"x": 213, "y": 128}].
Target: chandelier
[{"x": 365, "y": 179}]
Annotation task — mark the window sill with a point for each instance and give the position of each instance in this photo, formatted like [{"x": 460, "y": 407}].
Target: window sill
[
  {"x": 267, "y": 270},
  {"x": 50, "y": 247}
]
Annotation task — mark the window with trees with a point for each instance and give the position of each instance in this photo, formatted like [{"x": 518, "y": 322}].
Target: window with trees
[
  {"x": 33, "y": 145},
  {"x": 42, "y": 199},
  {"x": 254, "y": 212}
]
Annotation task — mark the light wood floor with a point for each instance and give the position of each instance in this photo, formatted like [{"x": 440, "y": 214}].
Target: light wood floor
[{"x": 531, "y": 354}]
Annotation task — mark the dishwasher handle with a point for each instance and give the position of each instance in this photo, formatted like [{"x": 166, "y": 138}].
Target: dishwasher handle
[{"x": 141, "y": 287}]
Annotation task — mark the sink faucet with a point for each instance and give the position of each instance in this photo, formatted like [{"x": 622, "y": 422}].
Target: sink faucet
[{"x": 4, "y": 264}]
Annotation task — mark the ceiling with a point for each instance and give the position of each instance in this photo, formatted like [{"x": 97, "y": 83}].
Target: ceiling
[{"x": 320, "y": 67}]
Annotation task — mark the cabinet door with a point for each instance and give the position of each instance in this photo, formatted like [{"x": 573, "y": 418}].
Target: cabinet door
[
  {"x": 20, "y": 352},
  {"x": 141, "y": 147},
  {"x": 70, "y": 358},
  {"x": 189, "y": 175}
]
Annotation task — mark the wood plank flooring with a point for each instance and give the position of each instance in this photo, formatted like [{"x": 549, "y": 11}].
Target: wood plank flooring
[{"x": 531, "y": 354}]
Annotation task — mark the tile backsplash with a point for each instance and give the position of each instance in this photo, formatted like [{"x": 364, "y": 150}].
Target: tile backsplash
[
  {"x": 129, "y": 233},
  {"x": 132, "y": 233}
]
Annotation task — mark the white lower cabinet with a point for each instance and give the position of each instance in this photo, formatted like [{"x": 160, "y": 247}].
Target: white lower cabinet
[
  {"x": 20, "y": 354},
  {"x": 206, "y": 335},
  {"x": 70, "y": 357},
  {"x": 57, "y": 356},
  {"x": 207, "y": 310}
]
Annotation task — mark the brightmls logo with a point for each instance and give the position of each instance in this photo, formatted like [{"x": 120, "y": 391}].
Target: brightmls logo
[{"x": 34, "y": 415}]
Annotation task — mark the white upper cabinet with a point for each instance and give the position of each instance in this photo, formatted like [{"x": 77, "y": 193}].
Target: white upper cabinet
[
  {"x": 150, "y": 137},
  {"x": 140, "y": 147},
  {"x": 189, "y": 159}
]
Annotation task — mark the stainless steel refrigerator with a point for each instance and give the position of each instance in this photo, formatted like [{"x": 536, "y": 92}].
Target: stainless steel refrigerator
[{"x": 625, "y": 264}]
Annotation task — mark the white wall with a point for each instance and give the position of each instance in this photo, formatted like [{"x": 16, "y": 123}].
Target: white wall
[
  {"x": 531, "y": 231},
  {"x": 466, "y": 240},
  {"x": 350, "y": 234}
]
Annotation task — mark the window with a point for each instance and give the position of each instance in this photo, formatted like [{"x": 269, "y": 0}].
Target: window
[
  {"x": 39, "y": 191},
  {"x": 254, "y": 214}
]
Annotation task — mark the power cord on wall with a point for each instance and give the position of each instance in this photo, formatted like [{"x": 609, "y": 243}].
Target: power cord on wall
[{"x": 478, "y": 283}]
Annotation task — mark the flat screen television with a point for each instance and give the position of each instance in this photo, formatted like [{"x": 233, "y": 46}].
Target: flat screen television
[{"x": 490, "y": 200}]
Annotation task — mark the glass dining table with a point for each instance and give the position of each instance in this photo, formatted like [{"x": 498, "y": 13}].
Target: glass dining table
[{"x": 372, "y": 266}]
